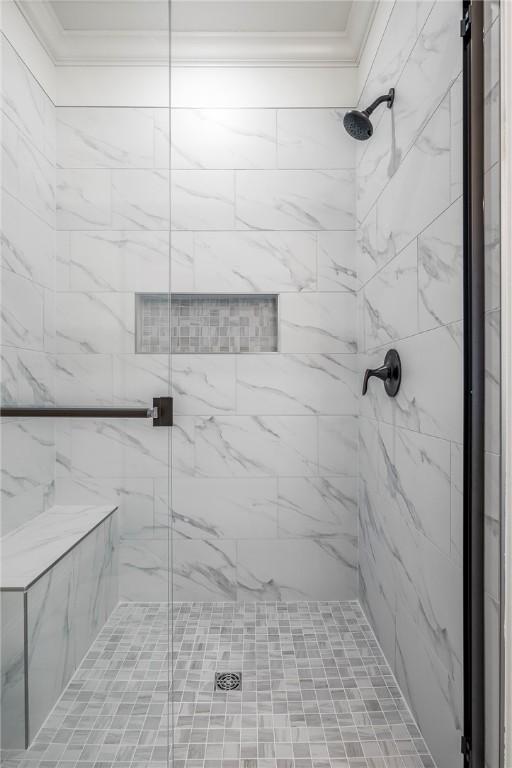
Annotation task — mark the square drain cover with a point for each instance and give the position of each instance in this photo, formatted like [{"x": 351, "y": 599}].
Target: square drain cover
[{"x": 228, "y": 681}]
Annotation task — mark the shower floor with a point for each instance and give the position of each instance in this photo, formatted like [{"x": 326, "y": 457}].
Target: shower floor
[{"x": 316, "y": 693}]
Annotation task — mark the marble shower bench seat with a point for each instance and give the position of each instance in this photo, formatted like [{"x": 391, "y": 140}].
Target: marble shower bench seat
[{"x": 58, "y": 586}]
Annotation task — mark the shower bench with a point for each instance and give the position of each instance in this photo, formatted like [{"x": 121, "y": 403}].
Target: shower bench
[{"x": 58, "y": 586}]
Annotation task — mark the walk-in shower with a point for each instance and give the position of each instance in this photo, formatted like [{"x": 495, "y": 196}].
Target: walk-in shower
[{"x": 250, "y": 384}]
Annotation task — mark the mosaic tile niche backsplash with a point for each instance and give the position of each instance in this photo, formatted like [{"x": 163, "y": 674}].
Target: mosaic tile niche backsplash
[{"x": 206, "y": 323}]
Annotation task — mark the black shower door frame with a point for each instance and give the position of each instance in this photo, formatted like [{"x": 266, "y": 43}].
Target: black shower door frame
[{"x": 472, "y": 26}]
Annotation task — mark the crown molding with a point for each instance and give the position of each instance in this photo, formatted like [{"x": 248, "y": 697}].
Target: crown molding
[{"x": 85, "y": 48}]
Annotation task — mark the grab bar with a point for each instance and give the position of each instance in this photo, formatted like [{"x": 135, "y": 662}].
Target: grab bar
[{"x": 161, "y": 412}]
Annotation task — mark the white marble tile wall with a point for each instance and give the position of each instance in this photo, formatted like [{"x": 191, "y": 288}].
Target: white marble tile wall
[
  {"x": 27, "y": 287},
  {"x": 410, "y": 257},
  {"x": 264, "y": 451}
]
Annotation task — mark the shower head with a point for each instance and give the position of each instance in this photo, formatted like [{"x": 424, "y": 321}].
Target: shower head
[{"x": 358, "y": 124}]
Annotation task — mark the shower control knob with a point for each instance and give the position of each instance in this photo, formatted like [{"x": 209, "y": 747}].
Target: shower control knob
[{"x": 390, "y": 373}]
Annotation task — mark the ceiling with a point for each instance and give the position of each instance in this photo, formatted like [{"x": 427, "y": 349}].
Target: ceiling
[{"x": 222, "y": 32}]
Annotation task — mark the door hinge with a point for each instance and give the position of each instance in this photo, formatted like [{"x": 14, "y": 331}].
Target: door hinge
[
  {"x": 465, "y": 748},
  {"x": 162, "y": 412},
  {"x": 465, "y": 25}
]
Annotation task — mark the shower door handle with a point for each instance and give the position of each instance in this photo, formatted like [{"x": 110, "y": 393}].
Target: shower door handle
[{"x": 390, "y": 373}]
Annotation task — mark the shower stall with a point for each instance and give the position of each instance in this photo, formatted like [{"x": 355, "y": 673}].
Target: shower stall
[{"x": 250, "y": 384}]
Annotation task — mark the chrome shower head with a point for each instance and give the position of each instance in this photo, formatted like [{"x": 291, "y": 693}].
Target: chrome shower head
[{"x": 358, "y": 124}]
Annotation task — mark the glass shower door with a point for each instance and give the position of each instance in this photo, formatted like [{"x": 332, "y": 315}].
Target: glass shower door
[{"x": 86, "y": 392}]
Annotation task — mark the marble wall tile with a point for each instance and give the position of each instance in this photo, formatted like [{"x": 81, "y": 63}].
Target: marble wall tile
[
  {"x": 161, "y": 137},
  {"x": 394, "y": 48},
  {"x": 433, "y": 691},
  {"x": 36, "y": 181},
  {"x": 317, "y": 322},
  {"x": 255, "y": 261},
  {"x": 27, "y": 377},
  {"x": 10, "y": 181},
  {"x": 434, "y": 65},
  {"x": 337, "y": 261},
  {"x": 493, "y": 381},
  {"x": 420, "y": 189},
  {"x": 134, "y": 499},
  {"x": 204, "y": 384},
  {"x": 372, "y": 253},
  {"x": 28, "y": 455},
  {"x": 181, "y": 266},
  {"x": 297, "y": 384},
  {"x": 256, "y": 446},
  {"x": 204, "y": 570},
  {"x": 137, "y": 379},
  {"x": 457, "y": 507},
  {"x": 183, "y": 458},
  {"x": 274, "y": 570},
  {"x": 83, "y": 199},
  {"x": 337, "y": 445},
  {"x": 24, "y": 101},
  {"x": 378, "y": 162},
  {"x": 202, "y": 200},
  {"x": 21, "y": 312},
  {"x": 493, "y": 640},
  {"x": 118, "y": 448},
  {"x": 144, "y": 566},
  {"x": 49, "y": 321},
  {"x": 12, "y": 668},
  {"x": 26, "y": 505},
  {"x": 417, "y": 480},
  {"x": 140, "y": 199},
  {"x": 492, "y": 238},
  {"x": 425, "y": 403},
  {"x": 116, "y": 261},
  {"x": 492, "y": 119},
  {"x": 223, "y": 138},
  {"x": 98, "y": 137},
  {"x": 377, "y": 577},
  {"x": 224, "y": 509},
  {"x": 456, "y": 135},
  {"x": 385, "y": 318},
  {"x": 429, "y": 589},
  {"x": 313, "y": 507},
  {"x": 492, "y": 539},
  {"x": 376, "y": 591},
  {"x": 491, "y": 13},
  {"x": 83, "y": 379},
  {"x": 27, "y": 243},
  {"x": 313, "y": 138},
  {"x": 440, "y": 269},
  {"x": 303, "y": 200},
  {"x": 95, "y": 323}
]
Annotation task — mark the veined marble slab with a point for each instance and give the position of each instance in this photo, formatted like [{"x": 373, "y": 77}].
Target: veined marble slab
[{"x": 29, "y": 551}]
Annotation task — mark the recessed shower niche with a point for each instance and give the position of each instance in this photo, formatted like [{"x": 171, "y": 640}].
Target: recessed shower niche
[{"x": 206, "y": 323}]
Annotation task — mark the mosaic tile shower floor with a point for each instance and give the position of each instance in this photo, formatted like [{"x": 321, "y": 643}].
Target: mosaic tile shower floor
[{"x": 316, "y": 693}]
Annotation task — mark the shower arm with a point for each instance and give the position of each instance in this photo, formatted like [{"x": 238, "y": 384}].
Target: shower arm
[
  {"x": 389, "y": 98},
  {"x": 161, "y": 412}
]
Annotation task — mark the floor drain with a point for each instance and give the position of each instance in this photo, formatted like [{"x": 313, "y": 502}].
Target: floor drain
[{"x": 228, "y": 681}]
